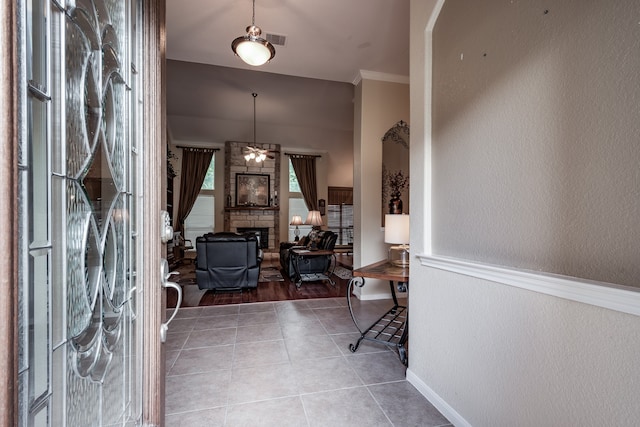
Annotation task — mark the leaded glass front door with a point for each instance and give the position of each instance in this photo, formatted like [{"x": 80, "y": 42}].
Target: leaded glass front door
[{"x": 80, "y": 335}]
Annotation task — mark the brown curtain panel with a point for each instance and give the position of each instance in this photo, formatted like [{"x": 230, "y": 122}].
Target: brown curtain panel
[
  {"x": 305, "y": 169},
  {"x": 195, "y": 163}
]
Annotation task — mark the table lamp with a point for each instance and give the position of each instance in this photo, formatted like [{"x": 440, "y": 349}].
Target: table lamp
[
  {"x": 315, "y": 220},
  {"x": 296, "y": 220},
  {"x": 396, "y": 232}
]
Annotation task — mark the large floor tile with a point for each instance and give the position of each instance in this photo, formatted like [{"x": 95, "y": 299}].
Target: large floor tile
[
  {"x": 311, "y": 347},
  {"x": 302, "y": 328},
  {"x": 205, "y": 359},
  {"x": 211, "y": 338},
  {"x": 196, "y": 391},
  {"x": 405, "y": 406},
  {"x": 339, "y": 325},
  {"x": 258, "y": 307},
  {"x": 261, "y": 383},
  {"x": 205, "y": 418},
  {"x": 220, "y": 310},
  {"x": 376, "y": 368},
  {"x": 260, "y": 353},
  {"x": 216, "y": 322},
  {"x": 296, "y": 315},
  {"x": 285, "y": 412},
  {"x": 324, "y": 374},
  {"x": 352, "y": 407},
  {"x": 343, "y": 341},
  {"x": 259, "y": 318},
  {"x": 254, "y": 333}
]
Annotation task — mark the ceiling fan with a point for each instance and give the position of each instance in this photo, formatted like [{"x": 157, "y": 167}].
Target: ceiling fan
[
  {"x": 257, "y": 154},
  {"x": 254, "y": 152}
]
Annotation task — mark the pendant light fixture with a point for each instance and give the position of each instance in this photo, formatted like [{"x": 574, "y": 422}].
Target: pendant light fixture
[
  {"x": 251, "y": 48},
  {"x": 255, "y": 153}
]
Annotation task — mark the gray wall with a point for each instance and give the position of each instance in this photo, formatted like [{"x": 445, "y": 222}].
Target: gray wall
[{"x": 536, "y": 125}]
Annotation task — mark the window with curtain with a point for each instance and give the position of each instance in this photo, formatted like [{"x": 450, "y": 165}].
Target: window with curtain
[
  {"x": 297, "y": 205},
  {"x": 201, "y": 219}
]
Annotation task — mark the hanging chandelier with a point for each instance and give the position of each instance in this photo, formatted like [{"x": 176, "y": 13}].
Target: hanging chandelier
[
  {"x": 251, "y": 48},
  {"x": 259, "y": 155}
]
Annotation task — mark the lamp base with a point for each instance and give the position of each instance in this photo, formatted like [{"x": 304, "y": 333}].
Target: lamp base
[{"x": 399, "y": 255}]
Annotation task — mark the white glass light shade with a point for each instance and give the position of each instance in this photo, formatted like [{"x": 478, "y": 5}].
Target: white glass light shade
[
  {"x": 253, "y": 49},
  {"x": 396, "y": 229},
  {"x": 314, "y": 218}
]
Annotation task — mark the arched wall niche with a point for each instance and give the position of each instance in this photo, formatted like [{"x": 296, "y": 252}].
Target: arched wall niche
[{"x": 395, "y": 170}]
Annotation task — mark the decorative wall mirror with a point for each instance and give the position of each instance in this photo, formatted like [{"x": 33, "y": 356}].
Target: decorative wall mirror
[{"x": 395, "y": 170}]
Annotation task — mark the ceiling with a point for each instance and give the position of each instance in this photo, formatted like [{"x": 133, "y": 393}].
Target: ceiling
[{"x": 329, "y": 41}]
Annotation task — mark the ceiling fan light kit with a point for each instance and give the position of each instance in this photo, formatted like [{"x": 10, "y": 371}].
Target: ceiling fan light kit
[
  {"x": 254, "y": 153},
  {"x": 251, "y": 48}
]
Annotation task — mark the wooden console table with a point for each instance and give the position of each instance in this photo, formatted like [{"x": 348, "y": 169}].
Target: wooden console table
[{"x": 391, "y": 328}]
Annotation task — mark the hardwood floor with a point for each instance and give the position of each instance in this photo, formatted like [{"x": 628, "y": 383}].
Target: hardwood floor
[{"x": 266, "y": 291}]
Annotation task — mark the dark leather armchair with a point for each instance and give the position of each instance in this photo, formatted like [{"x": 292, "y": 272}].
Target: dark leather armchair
[
  {"x": 228, "y": 261},
  {"x": 324, "y": 240}
]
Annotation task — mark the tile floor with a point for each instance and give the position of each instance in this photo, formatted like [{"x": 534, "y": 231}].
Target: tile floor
[{"x": 286, "y": 364}]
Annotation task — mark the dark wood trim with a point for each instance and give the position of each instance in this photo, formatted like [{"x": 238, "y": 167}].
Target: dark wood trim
[
  {"x": 253, "y": 208},
  {"x": 9, "y": 101},
  {"x": 302, "y": 155},
  {"x": 154, "y": 166}
]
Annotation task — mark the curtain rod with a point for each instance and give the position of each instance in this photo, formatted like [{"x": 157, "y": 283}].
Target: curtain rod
[
  {"x": 302, "y": 155},
  {"x": 213, "y": 150}
]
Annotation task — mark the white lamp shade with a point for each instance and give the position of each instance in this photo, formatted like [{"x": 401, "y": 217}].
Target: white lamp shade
[
  {"x": 314, "y": 218},
  {"x": 296, "y": 220},
  {"x": 396, "y": 229},
  {"x": 253, "y": 52}
]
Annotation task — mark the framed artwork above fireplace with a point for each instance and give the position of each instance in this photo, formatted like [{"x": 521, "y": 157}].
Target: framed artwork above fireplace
[{"x": 252, "y": 190}]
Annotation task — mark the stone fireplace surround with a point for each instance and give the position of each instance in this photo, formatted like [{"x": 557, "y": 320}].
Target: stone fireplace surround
[{"x": 252, "y": 217}]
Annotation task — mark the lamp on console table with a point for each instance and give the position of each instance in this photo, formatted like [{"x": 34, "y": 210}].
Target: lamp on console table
[
  {"x": 296, "y": 220},
  {"x": 315, "y": 220},
  {"x": 396, "y": 232}
]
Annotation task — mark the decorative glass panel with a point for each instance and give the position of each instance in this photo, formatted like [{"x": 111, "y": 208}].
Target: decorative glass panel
[{"x": 79, "y": 347}]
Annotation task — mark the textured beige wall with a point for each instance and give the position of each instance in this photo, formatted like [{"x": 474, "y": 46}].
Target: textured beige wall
[
  {"x": 379, "y": 106},
  {"x": 497, "y": 355},
  {"x": 535, "y": 129}
]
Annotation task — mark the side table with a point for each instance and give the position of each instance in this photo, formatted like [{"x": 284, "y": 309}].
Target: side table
[
  {"x": 392, "y": 327},
  {"x": 299, "y": 256}
]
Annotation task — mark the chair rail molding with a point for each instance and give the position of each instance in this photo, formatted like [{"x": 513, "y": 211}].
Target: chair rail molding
[{"x": 600, "y": 294}]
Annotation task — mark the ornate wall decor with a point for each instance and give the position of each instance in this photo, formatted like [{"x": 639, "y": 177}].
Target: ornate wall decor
[{"x": 395, "y": 170}]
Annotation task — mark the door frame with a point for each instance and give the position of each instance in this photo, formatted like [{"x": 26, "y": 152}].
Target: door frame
[
  {"x": 9, "y": 214},
  {"x": 153, "y": 165}
]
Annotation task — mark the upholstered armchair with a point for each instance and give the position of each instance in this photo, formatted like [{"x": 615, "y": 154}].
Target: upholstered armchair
[
  {"x": 321, "y": 240},
  {"x": 228, "y": 261}
]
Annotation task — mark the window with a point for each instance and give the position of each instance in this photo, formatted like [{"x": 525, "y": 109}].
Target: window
[
  {"x": 340, "y": 214},
  {"x": 201, "y": 219},
  {"x": 297, "y": 205}
]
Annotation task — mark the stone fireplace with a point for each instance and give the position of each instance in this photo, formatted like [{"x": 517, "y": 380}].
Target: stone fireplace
[{"x": 265, "y": 219}]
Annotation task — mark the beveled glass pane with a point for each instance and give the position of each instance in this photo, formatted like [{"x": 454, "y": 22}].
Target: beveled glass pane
[
  {"x": 39, "y": 168},
  {"x": 39, "y": 324},
  {"x": 82, "y": 398},
  {"x": 37, "y": 42},
  {"x": 57, "y": 386},
  {"x": 23, "y": 270},
  {"x": 59, "y": 259},
  {"x": 41, "y": 418}
]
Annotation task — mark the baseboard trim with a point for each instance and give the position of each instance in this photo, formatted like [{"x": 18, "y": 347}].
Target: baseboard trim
[
  {"x": 607, "y": 295},
  {"x": 441, "y": 405}
]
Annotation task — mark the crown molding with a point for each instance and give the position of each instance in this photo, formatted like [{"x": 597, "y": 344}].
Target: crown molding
[{"x": 384, "y": 77}]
